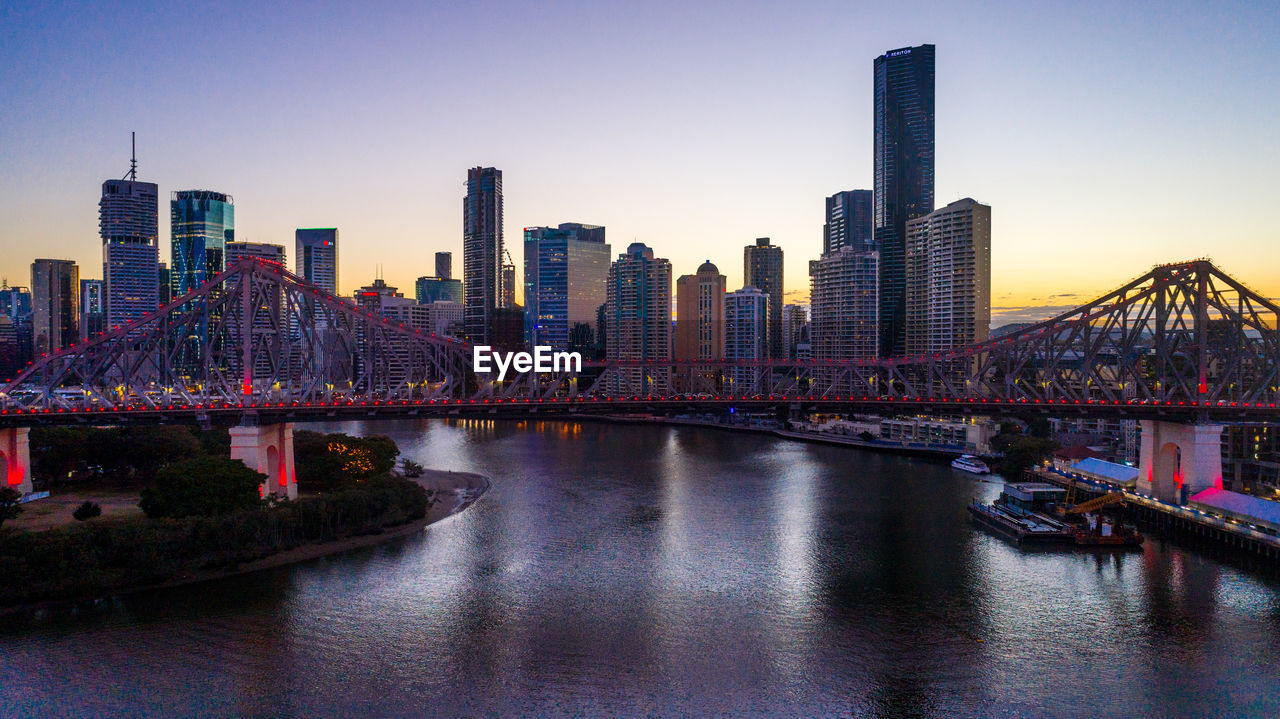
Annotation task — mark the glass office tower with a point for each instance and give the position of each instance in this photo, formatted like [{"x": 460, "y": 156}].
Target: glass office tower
[
  {"x": 565, "y": 270},
  {"x": 202, "y": 222},
  {"x": 903, "y": 175}
]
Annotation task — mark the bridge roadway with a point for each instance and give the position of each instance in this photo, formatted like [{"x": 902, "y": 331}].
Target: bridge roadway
[{"x": 1221, "y": 412}]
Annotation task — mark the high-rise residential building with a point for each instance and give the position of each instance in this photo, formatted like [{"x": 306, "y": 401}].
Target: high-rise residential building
[
  {"x": 638, "y": 317},
  {"x": 202, "y": 223},
  {"x": 55, "y": 304},
  {"x": 949, "y": 280},
  {"x": 903, "y": 175},
  {"x": 93, "y": 316},
  {"x": 316, "y": 258},
  {"x": 128, "y": 224},
  {"x": 482, "y": 250},
  {"x": 848, "y": 221},
  {"x": 264, "y": 251},
  {"x": 444, "y": 265},
  {"x": 700, "y": 314},
  {"x": 565, "y": 270},
  {"x": 843, "y": 305},
  {"x": 795, "y": 323},
  {"x": 15, "y": 306},
  {"x": 746, "y": 335},
  {"x": 762, "y": 269},
  {"x": 436, "y": 289}
]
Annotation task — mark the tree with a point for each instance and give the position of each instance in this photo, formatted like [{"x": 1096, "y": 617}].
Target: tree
[
  {"x": 411, "y": 468},
  {"x": 9, "y": 506},
  {"x": 87, "y": 510},
  {"x": 203, "y": 486},
  {"x": 329, "y": 462},
  {"x": 1024, "y": 453},
  {"x": 866, "y": 436}
]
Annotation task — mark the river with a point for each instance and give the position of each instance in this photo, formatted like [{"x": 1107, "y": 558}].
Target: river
[{"x": 659, "y": 571}]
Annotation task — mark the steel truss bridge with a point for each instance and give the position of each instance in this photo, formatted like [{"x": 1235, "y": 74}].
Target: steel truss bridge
[{"x": 1183, "y": 342}]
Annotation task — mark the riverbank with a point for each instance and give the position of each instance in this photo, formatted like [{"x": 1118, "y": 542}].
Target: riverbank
[
  {"x": 448, "y": 492},
  {"x": 900, "y": 448}
]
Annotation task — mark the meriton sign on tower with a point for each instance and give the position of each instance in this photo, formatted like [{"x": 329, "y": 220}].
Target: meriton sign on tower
[{"x": 542, "y": 359}]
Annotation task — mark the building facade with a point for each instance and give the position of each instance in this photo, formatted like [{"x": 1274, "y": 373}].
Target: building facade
[
  {"x": 848, "y": 221},
  {"x": 482, "y": 250},
  {"x": 844, "y": 306},
  {"x": 795, "y": 328},
  {"x": 903, "y": 186},
  {"x": 275, "y": 254},
  {"x": 128, "y": 223},
  {"x": 93, "y": 317},
  {"x": 949, "y": 280},
  {"x": 437, "y": 289},
  {"x": 55, "y": 305},
  {"x": 746, "y": 335},
  {"x": 700, "y": 315},
  {"x": 565, "y": 271},
  {"x": 638, "y": 317},
  {"x": 316, "y": 258},
  {"x": 202, "y": 222},
  {"x": 762, "y": 269}
]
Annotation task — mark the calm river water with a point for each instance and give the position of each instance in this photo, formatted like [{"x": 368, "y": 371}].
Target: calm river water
[{"x": 651, "y": 571}]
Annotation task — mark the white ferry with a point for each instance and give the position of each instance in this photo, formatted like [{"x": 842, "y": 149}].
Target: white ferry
[{"x": 970, "y": 463}]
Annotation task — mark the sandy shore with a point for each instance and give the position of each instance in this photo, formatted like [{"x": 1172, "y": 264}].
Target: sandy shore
[{"x": 450, "y": 492}]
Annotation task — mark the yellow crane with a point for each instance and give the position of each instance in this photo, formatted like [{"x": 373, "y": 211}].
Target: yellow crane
[{"x": 1096, "y": 503}]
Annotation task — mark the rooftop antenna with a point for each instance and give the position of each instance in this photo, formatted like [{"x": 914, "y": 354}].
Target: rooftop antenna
[{"x": 133, "y": 157}]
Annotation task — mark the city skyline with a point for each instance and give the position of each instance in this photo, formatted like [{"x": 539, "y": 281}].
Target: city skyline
[{"x": 1027, "y": 150}]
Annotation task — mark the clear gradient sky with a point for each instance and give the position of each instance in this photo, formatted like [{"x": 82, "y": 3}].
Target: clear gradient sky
[{"x": 1107, "y": 136}]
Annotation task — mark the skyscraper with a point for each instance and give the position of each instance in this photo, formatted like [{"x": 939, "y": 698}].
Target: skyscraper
[
  {"x": 202, "y": 223},
  {"x": 444, "y": 265},
  {"x": 93, "y": 316},
  {"x": 317, "y": 257},
  {"x": 482, "y": 250},
  {"x": 795, "y": 323},
  {"x": 843, "y": 305},
  {"x": 700, "y": 314},
  {"x": 638, "y": 317},
  {"x": 55, "y": 304},
  {"x": 260, "y": 250},
  {"x": 949, "y": 280},
  {"x": 165, "y": 287},
  {"x": 848, "y": 222},
  {"x": 746, "y": 335},
  {"x": 565, "y": 270},
  {"x": 128, "y": 222},
  {"x": 508, "y": 283},
  {"x": 762, "y": 269},
  {"x": 903, "y": 175}
]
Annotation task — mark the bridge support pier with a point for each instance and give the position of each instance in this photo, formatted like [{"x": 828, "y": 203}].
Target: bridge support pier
[
  {"x": 15, "y": 458},
  {"x": 1178, "y": 460},
  {"x": 268, "y": 449}
]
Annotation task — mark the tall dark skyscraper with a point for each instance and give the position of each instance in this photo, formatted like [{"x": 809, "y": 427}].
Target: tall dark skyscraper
[
  {"x": 903, "y": 175},
  {"x": 55, "y": 304},
  {"x": 848, "y": 222},
  {"x": 128, "y": 223},
  {"x": 482, "y": 251},
  {"x": 762, "y": 269}
]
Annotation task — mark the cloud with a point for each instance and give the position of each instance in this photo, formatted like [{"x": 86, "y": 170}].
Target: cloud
[{"x": 1001, "y": 316}]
